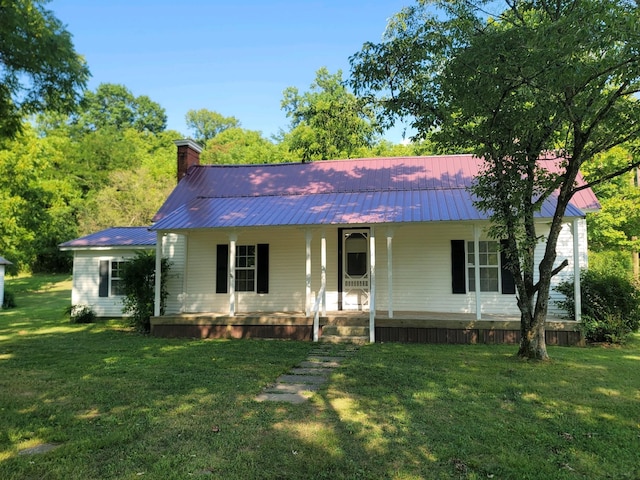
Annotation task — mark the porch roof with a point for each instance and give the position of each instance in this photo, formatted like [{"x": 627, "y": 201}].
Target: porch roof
[
  {"x": 116, "y": 237},
  {"x": 362, "y": 191}
]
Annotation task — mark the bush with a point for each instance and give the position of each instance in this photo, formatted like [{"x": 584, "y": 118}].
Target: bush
[
  {"x": 610, "y": 305},
  {"x": 138, "y": 280},
  {"x": 9, "y": 300},
  {"x": 81, "y": 314}
]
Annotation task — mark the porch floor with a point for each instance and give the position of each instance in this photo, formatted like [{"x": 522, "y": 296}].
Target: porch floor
[{"x": 355, "y": 317}]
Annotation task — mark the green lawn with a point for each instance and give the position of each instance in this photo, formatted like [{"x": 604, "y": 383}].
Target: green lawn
[{"x": 119, "y": 405}]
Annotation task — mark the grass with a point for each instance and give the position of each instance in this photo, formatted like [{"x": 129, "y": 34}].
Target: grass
[{"x": 118, "y": 405}]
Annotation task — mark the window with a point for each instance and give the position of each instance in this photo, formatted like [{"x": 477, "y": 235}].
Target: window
[
  {"x": 245, "y": 268},
  {"x": 488, "y": 261},
  {"x": 117, "y": 285},
  {"x": 110, "y": 284},
  {"x": 251, "y": 272}
]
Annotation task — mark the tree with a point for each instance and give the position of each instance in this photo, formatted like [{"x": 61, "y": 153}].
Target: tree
[
  {"x": 207, "y": 124},
  {"x": 39, "y": 68},
  {"x": 138, "y": 281},
  {"x": 328, "y": 121},
  {"x": 114, "y": 106},
  {"x": 555, "y": 79},
  {"x": 239, "y": 146}
]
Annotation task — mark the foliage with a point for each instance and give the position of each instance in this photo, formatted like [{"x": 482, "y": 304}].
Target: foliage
[
  {"x": 538, "y": 79},
  {"x": 327, "y": 122},
  {"x": 207, "y": 124},
  {"x": 39, "y": 68},
  {"x": 616, "y": 226},
  {"x": 81, "y": 314},
  {"x": 9, "y": 299},
  {"x": 238, "y": 146},
  {"x": 119, "y": 405},
  {"x": 610, "y": 305},
  {"x": 138, "y": 283},
  {"x": 113, "y": 106},
  {"x": 37, "y": 205}
]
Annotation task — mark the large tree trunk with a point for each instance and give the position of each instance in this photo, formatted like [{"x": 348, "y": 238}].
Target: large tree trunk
[{"x": 532, "y": 343}]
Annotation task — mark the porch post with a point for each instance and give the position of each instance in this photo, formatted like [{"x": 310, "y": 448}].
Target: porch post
[
  {"x": 390, "y": 270},
  {"x": 233, "y": 238},
  {"x": 372, "y": 288},
  {"x": 158, "y": 278},
  {"x": 476, "y": 270},
  {"x": 577, "y": 294},
  {"x": 323, "y": 272},
  {"x": 307, "y": 293}
]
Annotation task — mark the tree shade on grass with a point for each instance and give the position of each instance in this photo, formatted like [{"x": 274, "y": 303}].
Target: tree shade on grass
[{"x": 117, "y": 404}]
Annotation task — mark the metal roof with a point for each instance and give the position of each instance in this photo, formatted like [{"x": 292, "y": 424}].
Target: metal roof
[
  {"x": 361, "y": 191},
  {"x": 116, "y": 237}
]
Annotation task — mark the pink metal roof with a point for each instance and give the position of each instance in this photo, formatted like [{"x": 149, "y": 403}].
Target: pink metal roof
[
  {"x": 114, "y": 237},
  {"x": 379, "y": 190}
]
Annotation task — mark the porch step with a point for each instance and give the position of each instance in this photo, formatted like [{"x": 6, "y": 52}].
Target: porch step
[
  {"x": 356, "y": 340},
  {"x": 345, "y": 330}
]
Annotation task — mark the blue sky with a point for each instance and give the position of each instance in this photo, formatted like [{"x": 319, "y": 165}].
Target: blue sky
[{"x": 233, "y": 57}]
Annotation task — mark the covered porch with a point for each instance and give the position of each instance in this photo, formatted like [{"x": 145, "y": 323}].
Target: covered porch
[{"x": 405, "y": 326}]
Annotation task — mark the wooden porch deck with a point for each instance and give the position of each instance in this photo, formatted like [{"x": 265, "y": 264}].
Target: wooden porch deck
[{"x": 405, "y": 326}]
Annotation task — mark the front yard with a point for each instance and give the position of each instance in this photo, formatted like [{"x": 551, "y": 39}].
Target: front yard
[{"x": 117, "y": 405}]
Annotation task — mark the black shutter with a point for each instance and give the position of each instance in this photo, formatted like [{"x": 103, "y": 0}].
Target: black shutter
[
  {"x": 262, "y": 285},
  {"x": 458, "y": 267},
  {"x": 222, "y": 265},
  {"x": 508, "y": 282},
  {"x": 103, "y": 285}
]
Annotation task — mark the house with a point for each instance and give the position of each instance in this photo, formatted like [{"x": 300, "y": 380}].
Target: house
[
  {"x": 388, "y": 248},
  {"x": 97, "y": 261}
]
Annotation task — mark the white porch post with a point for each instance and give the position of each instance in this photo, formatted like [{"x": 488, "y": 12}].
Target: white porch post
[
  {"x": 390, "y": 271},
  {"x": 158, "y": 278},
  {"x": 372, "y": 288},
  {"x": 577, "y": 294},
  {"x": 233, "y": 238},
  {"x": 476, "y": 270},
  {"x": 307, "y": 293},
  {"x": 323, "y": 272}
]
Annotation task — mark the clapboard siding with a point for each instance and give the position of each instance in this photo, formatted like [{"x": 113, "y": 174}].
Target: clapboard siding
[
  {"x": 86, "y": 279},
  {"x": 174, "y": 248},
  {"x": 421, "y": 263}
]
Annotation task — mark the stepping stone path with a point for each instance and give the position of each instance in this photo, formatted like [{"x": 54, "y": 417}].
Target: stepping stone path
[{"x": 302, "y": 381}]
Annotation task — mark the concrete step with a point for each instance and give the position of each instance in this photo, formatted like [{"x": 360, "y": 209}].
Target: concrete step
[
  {"x": 347, "y": 331},
  {"x": 357, "y": 340},
  {"x": 345, "y": 321}
]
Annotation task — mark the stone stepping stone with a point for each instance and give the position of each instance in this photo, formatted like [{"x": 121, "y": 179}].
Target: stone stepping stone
[
  {"x": 292, "y": 388},
  {"x": 294, "y": 398},
  {"x": 314, "y": 379},
  {"x": 310, "y": 371},
  {"x": 319, "y": 365},
  {"x": 319, "y": 359}
]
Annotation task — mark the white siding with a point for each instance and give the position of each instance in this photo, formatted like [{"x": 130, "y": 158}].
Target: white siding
[
  {"x": 86, "y": 280},
  {"x": 422, "y": 278},
  {"x": 174, "y": 248}
]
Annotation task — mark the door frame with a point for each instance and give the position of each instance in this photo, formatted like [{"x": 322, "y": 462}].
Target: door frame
[{"x": 340, "y": 260}]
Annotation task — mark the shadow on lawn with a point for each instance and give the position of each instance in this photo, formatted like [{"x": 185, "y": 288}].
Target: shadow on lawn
[{"x": 120, "y": 404}]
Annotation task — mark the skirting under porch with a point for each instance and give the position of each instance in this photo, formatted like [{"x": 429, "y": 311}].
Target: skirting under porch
[{"x": 406, "y": 327}]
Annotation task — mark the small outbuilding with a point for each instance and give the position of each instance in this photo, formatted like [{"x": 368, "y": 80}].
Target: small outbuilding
[{"x": 3, "y": 263}]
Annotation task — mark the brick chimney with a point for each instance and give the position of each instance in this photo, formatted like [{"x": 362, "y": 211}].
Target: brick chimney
[{"x": 188, "y": 155}]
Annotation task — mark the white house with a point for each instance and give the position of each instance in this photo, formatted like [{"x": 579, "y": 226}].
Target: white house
[
  {"x": 97, "y": 259},
  {"x": 391, "y": 247},
  {"x": 3, "y": 264}
]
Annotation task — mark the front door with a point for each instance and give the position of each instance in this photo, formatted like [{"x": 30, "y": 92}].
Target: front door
[{"x": 355, "y": 269}]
